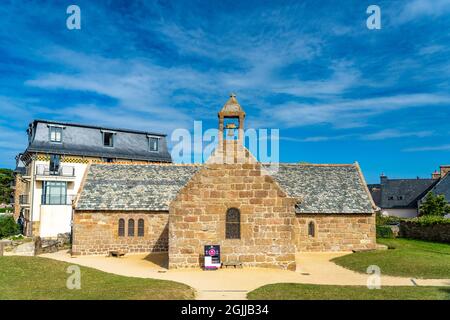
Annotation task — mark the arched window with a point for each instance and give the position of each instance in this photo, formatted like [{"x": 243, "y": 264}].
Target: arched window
[
  {"x": 140, "y": 227},
  {"x": 311, "y": 229},
  {"x": 233, "y": 224},
  {"x": 130, "y": 227},
  {"x": 121, "y": 227}
]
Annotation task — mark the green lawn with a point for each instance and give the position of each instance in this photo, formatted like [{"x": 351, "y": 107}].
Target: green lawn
[
  {"x": 295, "y": 291},
  {"x": 406, "y": 258},
  {"x": 41, "y": 278}
]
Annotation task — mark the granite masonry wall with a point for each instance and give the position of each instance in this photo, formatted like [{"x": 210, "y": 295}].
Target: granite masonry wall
[
  {"x": 98, "y": 232},
  {"x": 439, "y": 232},
  {"x": 20, "y": 189},
  {"x": 335, "y": 232},
  {"x": 197, "y": 218}
]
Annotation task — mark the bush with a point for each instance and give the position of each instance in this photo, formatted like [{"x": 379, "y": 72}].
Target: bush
[
  {"x": 8, "y": 227},
  {"x": 384, "y": 232},
  {"x": 430, "y": 220},
  {"x": 384, "y": 220}
]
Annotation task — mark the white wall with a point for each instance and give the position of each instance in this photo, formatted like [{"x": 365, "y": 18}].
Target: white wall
[
  {"x": 55, "y": 219},
  {"x": 402, "y": 213}
]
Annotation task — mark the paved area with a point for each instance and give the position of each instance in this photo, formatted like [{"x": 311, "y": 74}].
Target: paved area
[{"x": 314, "y": 268}]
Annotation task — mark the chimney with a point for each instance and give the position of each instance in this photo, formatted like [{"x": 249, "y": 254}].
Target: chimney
[
  {"x": 383, "y": 178},
  {"x": 436, "y": 175},
  {"x": 444, "y": 170}
]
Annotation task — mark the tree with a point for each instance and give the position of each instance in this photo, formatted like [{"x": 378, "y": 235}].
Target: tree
[
  {"x": 434, "y": 205},
  {"x": 6, "y": 177}
]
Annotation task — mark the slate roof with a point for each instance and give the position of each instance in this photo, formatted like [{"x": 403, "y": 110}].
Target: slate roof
[
  {"x": 324, "y": 188},
  {"x": 85, "y": 140},
  {"x": 375, "y": 192},
  {"x": 133, "y": 187},
  {"x": 403, "y": 193},
  {"x": 442, "y": 187}
]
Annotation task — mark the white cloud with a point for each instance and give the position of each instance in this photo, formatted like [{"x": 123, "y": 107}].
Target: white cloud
[
  {"x": 419, "y": 8},
  {"x": 349, "y": 113},
  {"x": 444, "y": 147},
  {"x": 393, "y": 133}
]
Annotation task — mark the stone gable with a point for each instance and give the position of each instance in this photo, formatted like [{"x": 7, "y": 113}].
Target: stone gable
[{"x": 197, "y": 217}]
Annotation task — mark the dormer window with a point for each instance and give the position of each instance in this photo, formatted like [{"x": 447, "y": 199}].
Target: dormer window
[
  {"x": 55, "y": 134},
  {"x": 108, "y": 139},
  {"x": 153, "y": 144}
]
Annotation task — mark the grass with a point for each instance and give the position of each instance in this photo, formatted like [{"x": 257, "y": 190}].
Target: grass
[
  {"x": 406, "y": 258},
  {"x": 295, "y": 291},
  {"x": 41, "y": 278}
]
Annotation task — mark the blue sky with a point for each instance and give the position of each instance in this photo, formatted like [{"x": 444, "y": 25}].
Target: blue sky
[{"x": 337, "y": 91}]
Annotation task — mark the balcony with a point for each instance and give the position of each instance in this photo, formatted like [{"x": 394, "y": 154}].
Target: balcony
[
  {"x": 63, "y": 173},
  {"x": 24, "y": 199},
  {"x": 57, "y": 199}
]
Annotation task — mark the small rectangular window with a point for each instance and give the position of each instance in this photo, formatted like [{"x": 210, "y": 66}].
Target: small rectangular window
[
  {"x": 108, "y": 139},
  {"x": 55, "y": 134},
  {"x": 153, "y": 144},
  {"x": 390, "y": 198}
]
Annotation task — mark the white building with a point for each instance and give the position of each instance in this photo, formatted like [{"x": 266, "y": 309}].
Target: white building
[{"x": 51, "y": 169}]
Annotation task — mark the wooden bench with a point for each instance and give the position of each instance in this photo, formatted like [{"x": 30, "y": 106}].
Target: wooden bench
[
  {"x": 234, "y": 264},
  {"x": 116, "y": 253}
]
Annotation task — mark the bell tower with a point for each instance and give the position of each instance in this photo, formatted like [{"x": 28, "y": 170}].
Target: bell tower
[{"x": 231, "y": 121}]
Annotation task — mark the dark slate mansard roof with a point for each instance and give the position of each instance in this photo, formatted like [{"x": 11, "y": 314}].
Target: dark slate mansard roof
[
  {"x": 321, "y": 188},
  {"x": 86, "y": 140}
]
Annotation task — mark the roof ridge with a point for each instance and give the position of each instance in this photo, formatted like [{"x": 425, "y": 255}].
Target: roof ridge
[
  {"x": 149, "y": 164},
  {"x": 311, "y": 164},
  {"x": 75, "y": 124}
]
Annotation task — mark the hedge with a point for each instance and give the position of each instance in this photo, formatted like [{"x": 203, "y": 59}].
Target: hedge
[{"x": 384, "y": 232}]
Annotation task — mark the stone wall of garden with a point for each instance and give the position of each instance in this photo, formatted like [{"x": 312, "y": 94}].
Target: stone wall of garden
[{"x": 439, "y": 232}]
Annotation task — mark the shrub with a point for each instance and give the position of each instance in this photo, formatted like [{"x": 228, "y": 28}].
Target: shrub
[
  {"x": 434, "y": 205},
  {"x": 384, "y": 232},
  {"x": 430, "y": 220},
  {"x": 8, "y": 227},
  {"x": 384, "y": 220}
]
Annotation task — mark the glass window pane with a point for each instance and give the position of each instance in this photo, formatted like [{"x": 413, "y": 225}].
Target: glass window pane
[
  {"x": 154, "y": 144},
  {"x": 131, "y": 228}
]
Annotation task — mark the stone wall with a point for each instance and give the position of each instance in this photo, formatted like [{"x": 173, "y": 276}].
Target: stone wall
[
  {"x": 439, "y": 232},
  {"x": 97, "y": 232},
  {"x": 197, "y": 218},
  {"x": 336, "y": 232},
  {"x": 20, "y": 188}
]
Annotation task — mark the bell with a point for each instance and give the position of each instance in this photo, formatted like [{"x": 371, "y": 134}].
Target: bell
[
  {"x": 231, "y": 126},
  {"x": 230, "y": 133}
]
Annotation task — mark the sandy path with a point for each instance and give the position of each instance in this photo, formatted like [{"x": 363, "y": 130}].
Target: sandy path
[{"x": 314, "y": 268}]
